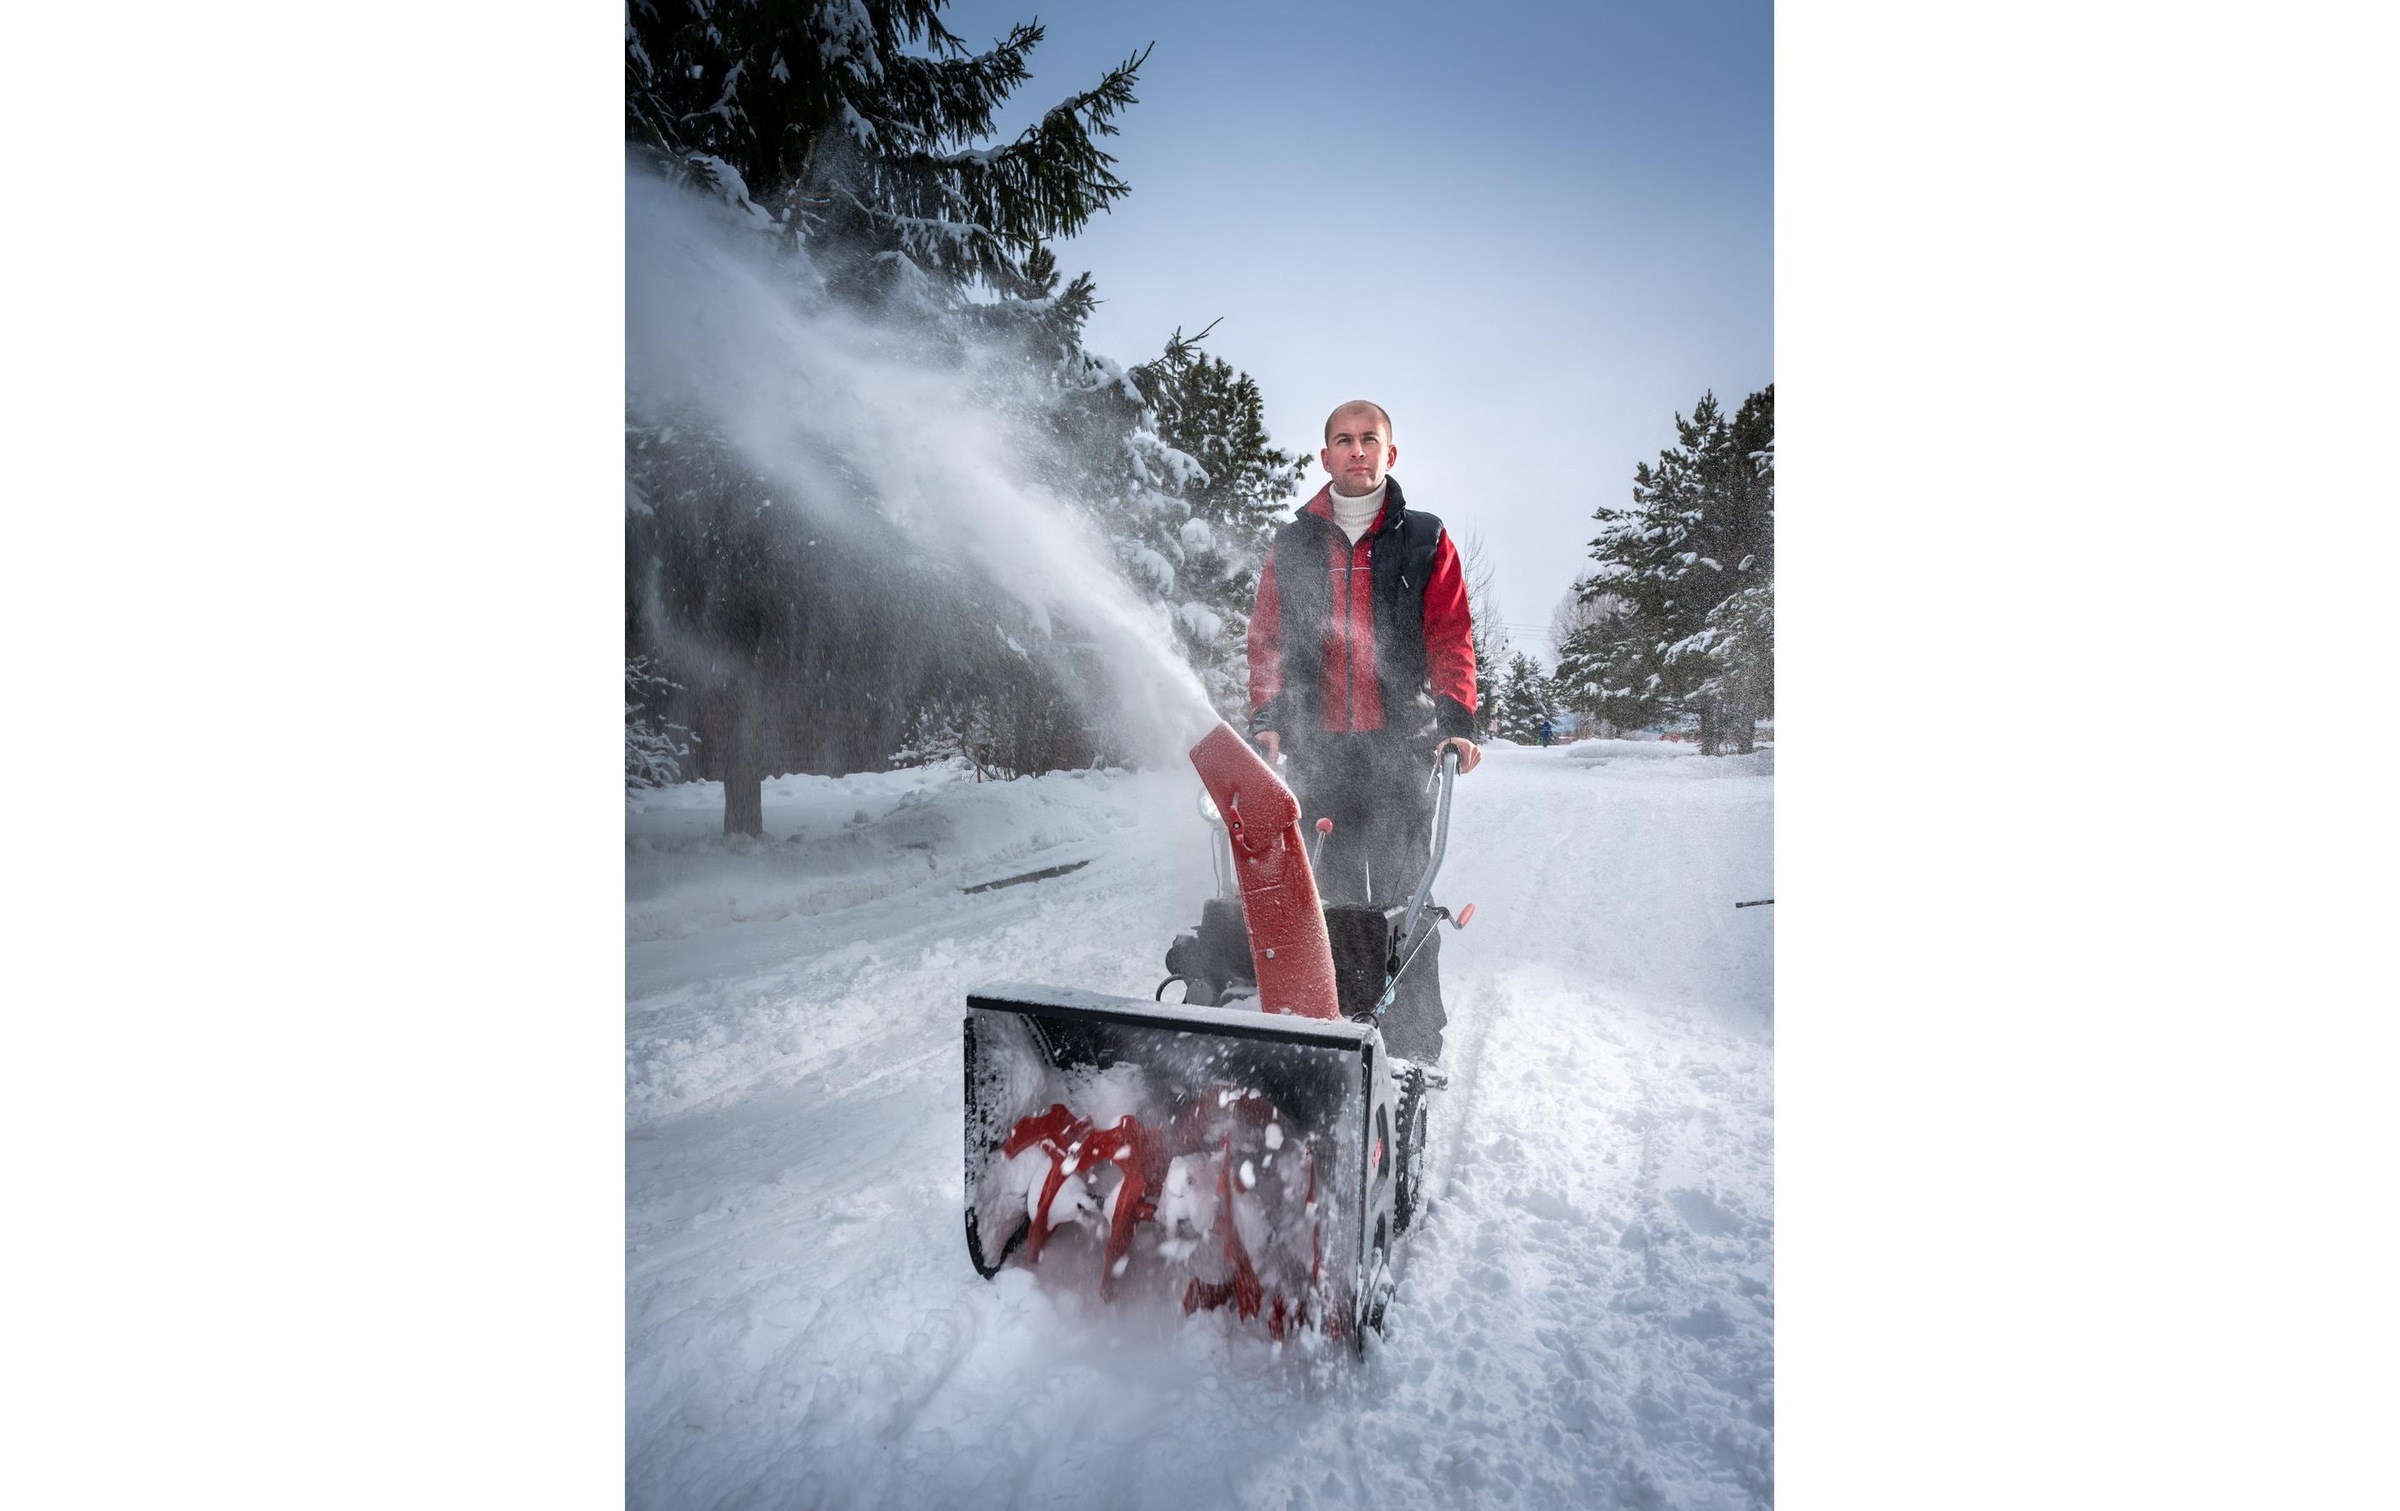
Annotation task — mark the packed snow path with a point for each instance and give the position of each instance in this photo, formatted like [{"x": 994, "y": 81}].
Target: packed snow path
[{"x": 1585, "y": 1315}]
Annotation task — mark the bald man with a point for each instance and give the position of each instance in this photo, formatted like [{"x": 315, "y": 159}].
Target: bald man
[{"x": 1361, "y": 668}]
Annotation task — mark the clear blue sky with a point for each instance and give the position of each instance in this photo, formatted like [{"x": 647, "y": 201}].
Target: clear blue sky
[{"x": 1533, "y": 232}]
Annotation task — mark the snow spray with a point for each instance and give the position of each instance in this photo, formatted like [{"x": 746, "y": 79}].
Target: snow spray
[{"x": 722, "y": 324}]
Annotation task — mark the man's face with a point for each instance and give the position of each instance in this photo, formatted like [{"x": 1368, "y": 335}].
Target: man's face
[{"x": 1359, "y": 453}]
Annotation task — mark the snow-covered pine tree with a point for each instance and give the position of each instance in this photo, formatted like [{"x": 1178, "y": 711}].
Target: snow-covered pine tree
[
  {"x": 935, "y": 735},
  {"x": 1524, "y": 703},
  {"x": 858, "y": 128},
  {"x": 1738, "y": 642},
  {"x": 1203, "y": 408},
  {"x": 655, "y": 747},
  {"x": 1735, "y": 644},
  {"x": 1579, "y": 609},
  {"x": 1700, "y": 531},
  {"x": 1487, "y": 699}
]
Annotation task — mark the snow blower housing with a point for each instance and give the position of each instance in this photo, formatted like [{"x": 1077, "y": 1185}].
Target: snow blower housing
[{"x": 1253, "y": 1144}]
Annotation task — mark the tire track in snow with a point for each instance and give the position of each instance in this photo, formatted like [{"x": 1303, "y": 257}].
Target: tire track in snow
[
  {"x": 1473, "y": 983},
  {"x": 1541, "y": 1353}
]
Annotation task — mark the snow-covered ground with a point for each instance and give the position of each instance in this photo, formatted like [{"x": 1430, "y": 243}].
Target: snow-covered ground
[{"x": 1585, "y": 1317}]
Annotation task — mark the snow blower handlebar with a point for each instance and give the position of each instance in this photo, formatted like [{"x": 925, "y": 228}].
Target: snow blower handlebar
[
  {"x": 1419, "y": 921},
  {"x": 1445, "y": 771}
]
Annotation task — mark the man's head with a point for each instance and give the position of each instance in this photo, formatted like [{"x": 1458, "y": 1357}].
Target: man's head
[{"x": 1358, "y": 447}]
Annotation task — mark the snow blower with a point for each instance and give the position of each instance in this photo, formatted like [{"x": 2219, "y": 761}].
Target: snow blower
[{"x": 1253, "y": 1144}]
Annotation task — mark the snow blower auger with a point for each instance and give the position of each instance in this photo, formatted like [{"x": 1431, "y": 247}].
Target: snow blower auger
[{"x": 1253, "y": 1145}]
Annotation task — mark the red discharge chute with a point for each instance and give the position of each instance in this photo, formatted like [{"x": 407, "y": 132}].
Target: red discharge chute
[{"x": 1289, "y": 951}]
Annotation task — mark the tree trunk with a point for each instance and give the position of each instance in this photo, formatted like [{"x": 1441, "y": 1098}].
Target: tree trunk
[
  {"x": 745, "y": 799},
  {"x": 1710, "y": 733},
  {"x": 745, "y": 775},
  {"x": 1745, "y": 729}
]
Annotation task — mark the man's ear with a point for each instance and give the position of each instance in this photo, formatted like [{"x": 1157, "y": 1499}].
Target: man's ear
[{"x": 1391, "y": 457}]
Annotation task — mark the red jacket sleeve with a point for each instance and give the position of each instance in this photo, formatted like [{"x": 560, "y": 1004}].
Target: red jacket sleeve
[
  {"x": 1449, "y": 631},
  {"x": 1266, "y": 640}
]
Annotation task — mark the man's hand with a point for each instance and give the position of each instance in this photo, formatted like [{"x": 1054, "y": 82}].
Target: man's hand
[
  {"x": 1272, "y": 743},
  {"x": 1468, "y": 756}
]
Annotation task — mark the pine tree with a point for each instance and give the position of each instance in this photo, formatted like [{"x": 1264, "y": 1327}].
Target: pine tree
[
  {"x": 1739, "y": 644},
  {"x": 854, "y": 126},
  {"x": 1736, "y": 642},
  {"x": 1580, "y": 608},
  {"x": 1733, "y": 649},
  {"x": 1699, "y": 534},
  {"x": 655, "y": 746},
  {"x": 1524, "y": 702},
  {"x": 1205, "y": 409}
]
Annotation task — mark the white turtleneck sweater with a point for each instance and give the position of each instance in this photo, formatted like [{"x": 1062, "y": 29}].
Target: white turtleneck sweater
[{"x": 1355, "y": 514}]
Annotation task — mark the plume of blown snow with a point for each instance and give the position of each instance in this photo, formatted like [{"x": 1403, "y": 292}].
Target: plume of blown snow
[{"x": 722, "y": 324}]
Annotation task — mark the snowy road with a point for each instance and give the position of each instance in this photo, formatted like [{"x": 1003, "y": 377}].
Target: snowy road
[{"x": 1585, "y": 1318}]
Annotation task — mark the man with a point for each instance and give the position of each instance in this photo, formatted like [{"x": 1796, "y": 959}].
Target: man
[{"x": 1361, "y": 669}]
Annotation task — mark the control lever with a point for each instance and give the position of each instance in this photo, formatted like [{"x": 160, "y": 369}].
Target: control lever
[
  {"x": 1316, "y": 852},
  {"x": 1434, "y": 913}
]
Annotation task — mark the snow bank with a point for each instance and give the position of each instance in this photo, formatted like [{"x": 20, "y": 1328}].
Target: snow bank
[{"x": 1683, "y": 760}]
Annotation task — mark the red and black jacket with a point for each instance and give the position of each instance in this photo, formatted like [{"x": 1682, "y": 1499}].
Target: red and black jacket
[{"x": 1362, "y": 637}]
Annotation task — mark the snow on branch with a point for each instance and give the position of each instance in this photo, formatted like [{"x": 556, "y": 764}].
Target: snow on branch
[{"x": 655, "y": 749}]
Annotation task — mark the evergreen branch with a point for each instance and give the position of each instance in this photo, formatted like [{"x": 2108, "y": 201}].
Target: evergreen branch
[
  {"x": 951, "y": 101},
  {"x": 1181, "y": 349}
]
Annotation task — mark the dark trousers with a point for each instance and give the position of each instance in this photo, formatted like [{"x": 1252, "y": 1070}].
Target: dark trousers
[{"x": 1373, "y": 787}]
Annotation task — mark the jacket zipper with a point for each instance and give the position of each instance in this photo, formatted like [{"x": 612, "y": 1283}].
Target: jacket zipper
[
  {"x": 1349, "y": 640},
  {"x": 1349, "y": 644}
]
